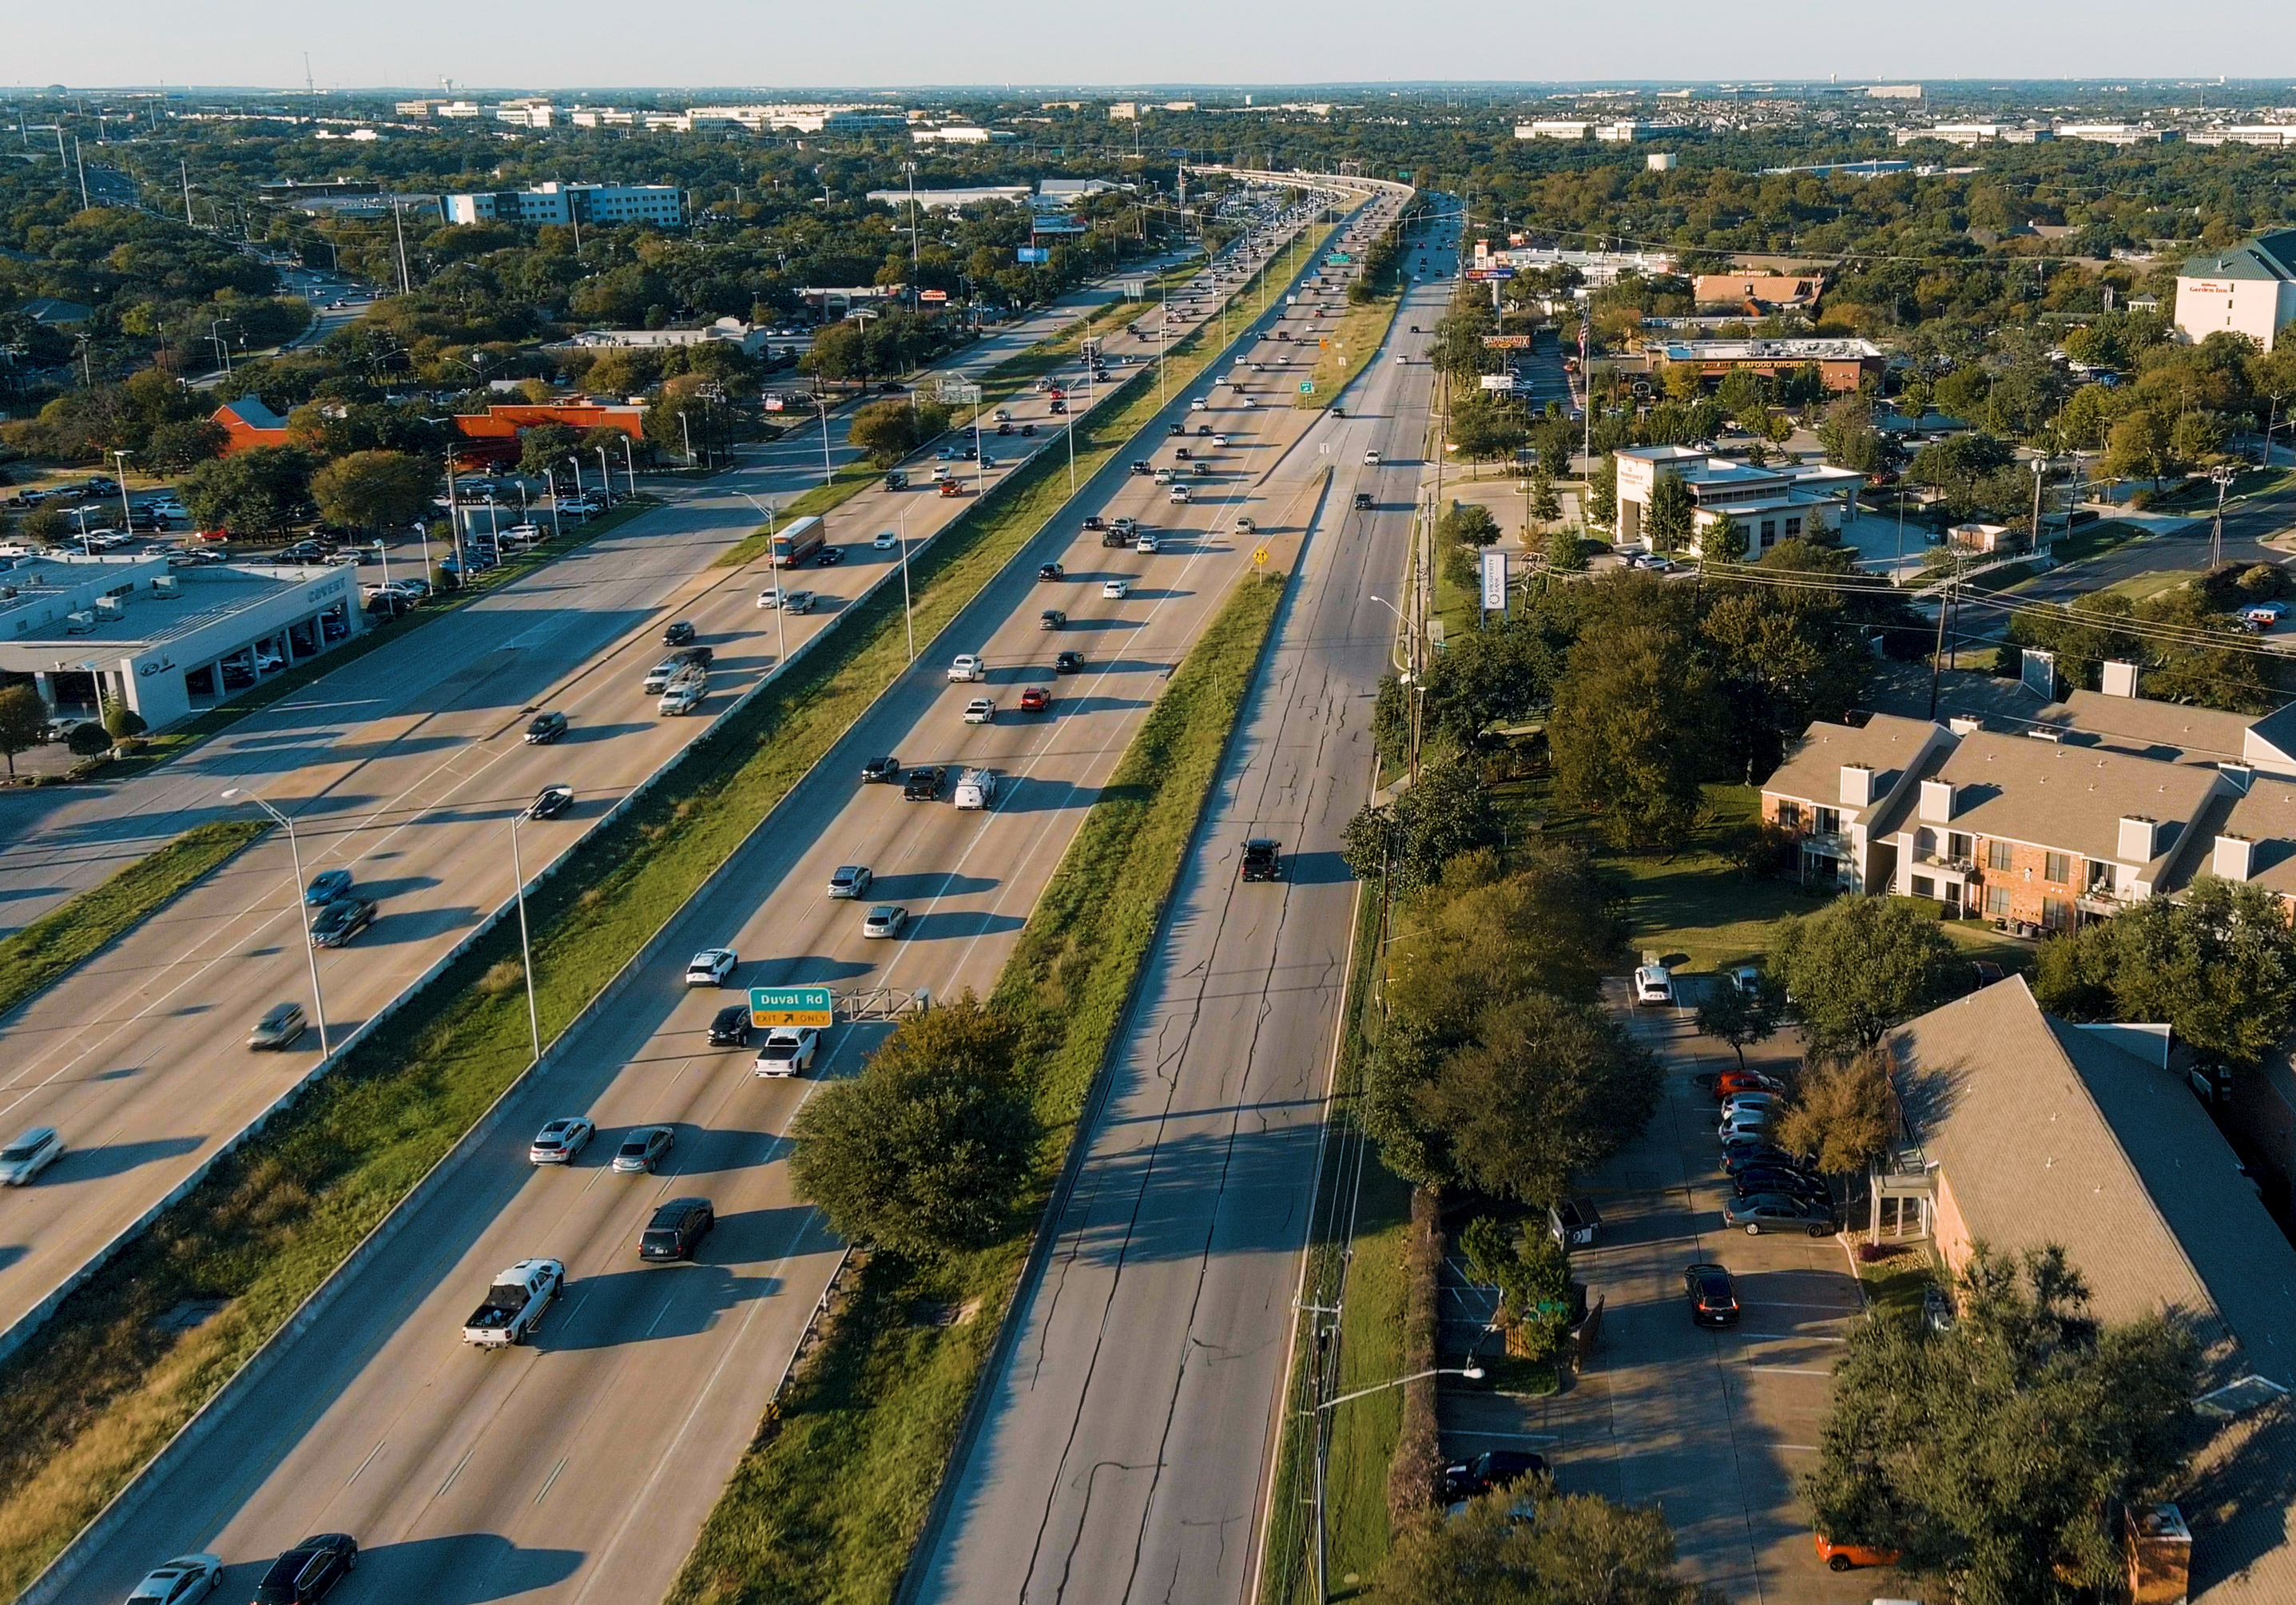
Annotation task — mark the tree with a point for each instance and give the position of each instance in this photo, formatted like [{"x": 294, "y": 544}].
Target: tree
[
  {"x": 887, "y": 431},
  {"x": 23, "y": 721},
  {"x": 2197, "y": 437},
  {"x": 122, "y": 723},
  {"x": 544, "y": 447},
  {"x": 2219, "y": 966},
  {"x": 46, "y": 527},
  {"x": 1602, "y": 492},
  {"x": 88, "y": 741},
  {"x": 2139, "y": 447},
  {"x": 1528, "y": 1545},
  {"x": 1740, "y": 395},
  {"x": 374, "y": 490},
  {"x": 1545, "y": 505},
  {"x": 1667, "y": 520},
  {"x": 252, "y": 493},
  {"x": 1444, "y": 814},
  {"x": 176, "y": 447},
  {"x": 1566, "y": 551},
  {"x": 1729, "y": 1013},
  {"x": 1548, "y": 1090},
  {"x": 1840, "y": 1111},
  {"x": 923, "y": 1151},
  {"x": 1725, "y": 540},
  {"x": 1858, "y": 967},
  {"x": 1635, "y": 714},
  {"x": 1468, "y": 525},
  {"x": 1992, "y": 1452},
  {"x": 1533, "y": 1276}
]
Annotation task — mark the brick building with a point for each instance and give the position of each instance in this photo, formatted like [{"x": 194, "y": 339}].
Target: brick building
[{"x": 248, "y": 423}]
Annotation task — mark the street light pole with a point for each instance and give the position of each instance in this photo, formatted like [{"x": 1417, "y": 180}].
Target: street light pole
[
  {"x": 1473, "y": 1373},
  {"x": 310, "y": 948},
  {"x": 525, "y": 947},
  {"x": 781, "y": 591},
  {"x": 908, "y": 618},
  {"x": 120, "y": 456},
  {"x": 2221, "y": 476}
]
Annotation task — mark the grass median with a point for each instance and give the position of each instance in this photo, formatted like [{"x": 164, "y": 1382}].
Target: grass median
[
  {"x": 830, "y": 1498},
  {"x": 51, "y": 946},
  {"x": 89, "y": 1399}
]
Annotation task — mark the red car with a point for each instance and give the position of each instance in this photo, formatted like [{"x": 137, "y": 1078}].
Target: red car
[
  {"x": 1035, "y": 699},
  {"x": 1841, "y": 1557},
  {"x": 1744, "y": 1081}
]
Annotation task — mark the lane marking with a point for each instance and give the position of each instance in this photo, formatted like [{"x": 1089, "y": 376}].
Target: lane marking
[
  {"x": 457, "y": 1471},
  {"x": 553, "y": 1477},
  {"x": 364, "y": 1464}
]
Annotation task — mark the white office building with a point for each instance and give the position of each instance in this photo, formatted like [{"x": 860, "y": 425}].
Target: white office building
[
  {"x": 603, "y": 204},
  {"x": 2250, "y": 288},
  {"x": 165, "y": 643}
]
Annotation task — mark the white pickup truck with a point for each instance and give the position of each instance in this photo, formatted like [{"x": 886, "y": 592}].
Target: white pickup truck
[{"x": 514, "y": 1303}]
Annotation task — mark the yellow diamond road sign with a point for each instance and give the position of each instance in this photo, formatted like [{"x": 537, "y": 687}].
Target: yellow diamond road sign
[{"x": 1259, "y": 556}]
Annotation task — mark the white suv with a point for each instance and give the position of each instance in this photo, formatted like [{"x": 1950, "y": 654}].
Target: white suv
[{"x": 966, "y": 668}]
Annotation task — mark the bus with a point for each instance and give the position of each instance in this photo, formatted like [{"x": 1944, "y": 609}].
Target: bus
[{"x": 794, "y": 544}]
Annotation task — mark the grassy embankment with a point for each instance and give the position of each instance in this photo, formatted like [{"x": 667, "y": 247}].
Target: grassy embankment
[
  {"x": 102, "y": 1387},
  {"x": 830, "y": 1498},
  {"x": 82, "y": 924}
]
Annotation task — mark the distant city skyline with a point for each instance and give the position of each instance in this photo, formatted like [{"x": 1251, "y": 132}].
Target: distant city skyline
[{"x": 719, "y": 43}]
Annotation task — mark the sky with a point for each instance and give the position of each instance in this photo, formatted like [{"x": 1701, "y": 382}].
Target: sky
[{"x": 709, "y": 44}]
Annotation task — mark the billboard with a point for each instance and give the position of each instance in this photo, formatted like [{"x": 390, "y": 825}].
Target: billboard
[
  {"x": 1495, "y": 581},
  {"x": 1033, "y": 253},
  {"x": 1490, "y": 273},
  {"x": 1507, "y": 342},
  {"x": 1498, "y": 381}
]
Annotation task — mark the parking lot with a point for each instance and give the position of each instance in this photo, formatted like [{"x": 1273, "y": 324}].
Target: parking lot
[{"x": 1713, "y": 1426}]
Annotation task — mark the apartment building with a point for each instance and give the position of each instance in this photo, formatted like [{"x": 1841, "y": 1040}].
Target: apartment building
[{"x": 1837, "y": 781}]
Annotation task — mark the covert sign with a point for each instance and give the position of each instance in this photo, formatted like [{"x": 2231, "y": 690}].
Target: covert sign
[{"x": 813, "y": 1006}]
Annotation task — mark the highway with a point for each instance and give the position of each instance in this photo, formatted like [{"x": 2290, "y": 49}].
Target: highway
[
  {"x": 579, "y": 1468},
  {"x": 1124, "y": 1450},
  {"x": 406, "y": 767}
]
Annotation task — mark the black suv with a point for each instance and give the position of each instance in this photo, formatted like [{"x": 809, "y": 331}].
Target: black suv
[
  {"x": 1492, "y": 1468},
  {"x": 1068, "y": 663},
  {"x": 1262, "y": 859},
  {"x": 923, "y": 785},
  {"x": 1713, "y": 1295},
  {"x": 731, "y": 1027},
  {"x": 1362, "y": 501},
  {"x": 880, "y": 770},
  {"x": 677, "y": 1229},
  {"x": 307, "y": 1572},
  {"x": 341, "y": 921},
  {"x": 677, "y": 634}
]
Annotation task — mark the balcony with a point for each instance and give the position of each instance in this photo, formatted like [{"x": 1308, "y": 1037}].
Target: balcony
[{"x": 2101, "y": 901}]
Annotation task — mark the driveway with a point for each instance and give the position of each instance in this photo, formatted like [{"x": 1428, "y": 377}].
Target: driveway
[{"x": 1713, "y": 1426}]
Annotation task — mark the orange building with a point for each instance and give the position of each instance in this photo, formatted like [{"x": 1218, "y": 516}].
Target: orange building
[
  {"x": 248, "y": 423},
  {"x": 492, "y": 436}
]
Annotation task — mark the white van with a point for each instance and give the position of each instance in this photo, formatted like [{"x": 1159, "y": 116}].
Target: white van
[{"x": 976, "y": 789}]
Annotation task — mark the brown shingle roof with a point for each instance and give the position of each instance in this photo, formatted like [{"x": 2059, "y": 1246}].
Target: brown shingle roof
[
  {"x": 2045, "y": 1133},
  {"x": 1812, "y": 769},
  {"x": 2071, "y": 798}
]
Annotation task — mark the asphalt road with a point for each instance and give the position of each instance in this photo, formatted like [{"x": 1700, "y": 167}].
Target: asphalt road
[
  {"x": 1125, "y": 1452},
  {"x": 406, "y": 767},
  {"x": 2248, "y": 526},
  {"x": 580, "y": 1468}
]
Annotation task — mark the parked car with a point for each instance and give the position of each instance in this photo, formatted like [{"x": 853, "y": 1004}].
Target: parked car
[
  {"x": 1492, "y": 1468},
  {"x": 1842, "y": 1556},
  {"x": 550, "y": 802},
  {"x": 1745, "y": 1081},
  {"x": 1740, "y": 1158},
  {"x": 281, "y": 1027},
  {"x": 23, "y": 1159},
  {"x": 887, "y": 920},
  {"x": 642, "y": 1149},
  {"x": 325, "y": 886},
  {"x": 881, "y": 770},
  {"x": 1755, "y": 1180},
  {"x": 180, "y": 1581},
  {"x": 1776, "y": 1212},
  {"x": 561, "y": 1141},
  {"x": 1713, "y": 1295},
  {"x": 545, "y": 729},
  {"x": 788, "y": 1051},
  {"x": 711, "y": 966},
  {"x": 730, "y": 1026},
  {"x": 1654, "y": 984},
  {"x": 677, "y": 1229},
  {"x": 305, "y": 1574},
  {"x": 851, "y": 880}
]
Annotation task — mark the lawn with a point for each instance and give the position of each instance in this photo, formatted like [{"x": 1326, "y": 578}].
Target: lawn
[
  {"x": 2095, "y": 540},
  {"x": 1895, "y": 1285},
  {"x": 2138, "y": 587},
  {"x": 1349, "y": 350}
]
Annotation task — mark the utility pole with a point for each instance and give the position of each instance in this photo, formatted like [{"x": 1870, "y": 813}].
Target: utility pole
[
  {"x": 398, "y": 222},
  {"x": 82, "y": 163},
  {"x": 183, "y": 167},
  {"x": 2222, "y": 476}
]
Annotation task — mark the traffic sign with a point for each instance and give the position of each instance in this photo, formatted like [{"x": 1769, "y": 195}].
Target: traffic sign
[
  {"x": 1260, "y": 555},
  {"x": 1307, "y": 387},
  {"x": 813, "y": 1006}
]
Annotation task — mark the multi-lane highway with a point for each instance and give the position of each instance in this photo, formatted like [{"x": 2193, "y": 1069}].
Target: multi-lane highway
[
  {"x": 579, "y": 1467},
  {"x": 405, "y": 767},
  {"x": 1123, "y": 1452}
]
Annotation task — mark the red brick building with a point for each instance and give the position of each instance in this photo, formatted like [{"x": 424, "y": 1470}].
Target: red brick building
[{"x": 248, "y": 423}]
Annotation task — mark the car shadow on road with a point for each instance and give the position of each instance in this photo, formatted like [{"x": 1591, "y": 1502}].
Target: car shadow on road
[
  {"x": 649, "y": 1303},
  {"x": 117, "y": 1159},
  {"x": 578, "y": 734},
  {"x": 807, "y": 970},
  {"x": 918, "y": 888},
  {"x": 959, "y": 922},
  {"x": 464, "y": 1568},
  {"x": 1318, "y": 869},
  {"x": 414, "y": 925}
]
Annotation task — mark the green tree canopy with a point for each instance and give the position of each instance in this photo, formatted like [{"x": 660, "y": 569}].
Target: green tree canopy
[
  {"x": 1468, "y": 525},
  {"x": 1840, "y": 1111},
  {"x": 375, "y": 489},
  {"x": 253, "y": 493},
  {"x": 23, "y": 721},
  {"x": 1444, "y": 814},
  {"x": 1634, "y": 712},
  {"x": 923, "y": 1150},
  {"x": 1858, "y": 966},
  {"x": 1665, "y": 521},
  {"x": 1571, "y": 1548}
]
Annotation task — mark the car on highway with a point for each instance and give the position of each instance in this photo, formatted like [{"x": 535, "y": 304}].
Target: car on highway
[
  {"x": 1371, "y": 459},
  {"x": 967, "y": 667},
  {"x": 22, "y": 1160},
  {"x": 788, "y": 1051},
  {"x": 341, "y": 921},
  {"x": 550, "y": 802},
  {"x": 561, "y": 1141},
  {"x": 887, "y": 539},
  {"x": 1115, "y": 590},
  {"x": 770, "y": 597},
  {"x": 677, "y": 635},
  {"x": 830, "y": 556},
  {"x": 677, "y": 1229},
  {"x": 183, "y": 1579},
  {"x": 981, "y": 710},
  {"x": 1263, "y": 859},
  {"x": 1036, "y": 699},
  {"x": 851, "y": 880},
  {"x": 881, "y": 770},
  {"x": 642, "y": 1148},
  {"x": 1048, "y": 572},
  {"x": 711, "y": 966},
  {"x": 1068, "y": 663},
  {"x": 683, "y": 693},
  {"x": 800, "y": 601},
  {"x": 515, "y": 1302},
  {"x": 885, "y": 920},
  {"x": 545, "y": 729},
  {"x": 1713, "y": 1295},
  {"x": 1776, "y": 1212},
  {"x": 1147, "y": 541},
  {"x": 1492, "y": 1468},
  {"x": 730, "y": 1026},
  {"x": 1051, "y": 618},
  {"x": 281, "y": 1027},
  {"x": 924, "y": 783},
  {"x": 307, "y": 1573},
  {"x": 326, "y": 886},
  {"x": 1362, "y": 501}
]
